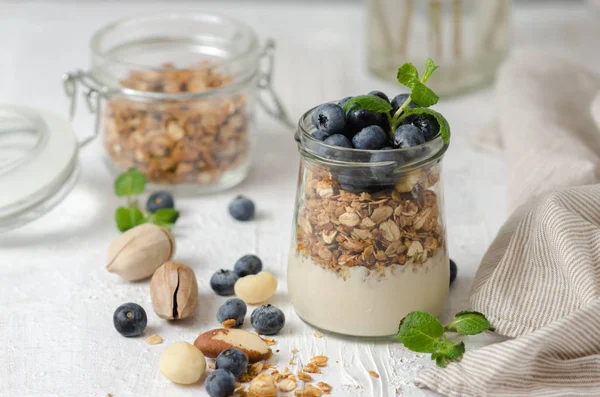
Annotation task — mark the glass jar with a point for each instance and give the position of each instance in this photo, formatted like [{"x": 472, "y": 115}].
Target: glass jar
[
  {"x": 470, "y": 38},
  {"x": 369, "y": 237},
  {"x": 174, "y": 96}
]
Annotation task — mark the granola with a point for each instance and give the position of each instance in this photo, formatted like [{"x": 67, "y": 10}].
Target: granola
[
  {"x": 177, "y": 141},
  {"x": 398, "y": 225}
]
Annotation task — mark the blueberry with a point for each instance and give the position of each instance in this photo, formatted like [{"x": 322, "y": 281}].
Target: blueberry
[
  {"x": 379, "y": 94},
  {"x": 372, "y": 137},
  {"x": 232, "y": 309},
  {"x": 159, "y": 200},
  {"x": 222, "y": 282},
  {"x": 242, "y": 208},
  {"x": 384, "y": 174},
  {"x": 232, "y": 360},
  {"x": 267, "y": 319},
  {"x": 338, "y": 140},
  {"x": 320, "y": 135},
  {"x": 399, "y": 100},
  {"x": 453, "y": 271},
  {"x": 427, "y": 124},
  {"x": 220, "y": 383},
  {"x": 357, "y": 119},
  {"x": 355, "y": 180},
  {"x": 342, "y": 101},
  {"x": 330, "y": 118},
  {"x": 130, "y": 319},
  {"x": 407, "y": 135},
  {"x": 247, "y": 264}
]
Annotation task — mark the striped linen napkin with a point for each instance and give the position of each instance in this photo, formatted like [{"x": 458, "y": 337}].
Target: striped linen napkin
[{"x": 539, "y": 281}]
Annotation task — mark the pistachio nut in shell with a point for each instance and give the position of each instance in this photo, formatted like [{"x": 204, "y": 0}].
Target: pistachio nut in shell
[
  {"x": 137, "y": 253},
  {"x": 174, "y": 291}
]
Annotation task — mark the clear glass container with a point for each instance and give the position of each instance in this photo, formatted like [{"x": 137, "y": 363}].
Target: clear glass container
[
  {"x": 175, "y": 97},
  {"x": 369, "y": 236},
  {"x": 469, "y": 38}
]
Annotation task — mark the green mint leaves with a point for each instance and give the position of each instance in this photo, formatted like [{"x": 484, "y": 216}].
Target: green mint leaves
[
  {"x": 131, "y": 184},
  {"x": 420, "y": 94},
  {"x": 423, "y": 333},
  {"x": 368, "y": 102},
  {"x": 469, "y": 323}
]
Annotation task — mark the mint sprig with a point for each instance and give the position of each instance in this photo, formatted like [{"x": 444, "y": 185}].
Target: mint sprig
[
  {"x": 420, "y": 94},
  {"x": 131, "y": 184},
  {"x": 421, "y": 332}
]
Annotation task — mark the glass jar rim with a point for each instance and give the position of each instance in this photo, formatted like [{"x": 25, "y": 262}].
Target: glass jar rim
[
  {"x": 251, "y": 50},
  {"x": 309, "y": 145}
]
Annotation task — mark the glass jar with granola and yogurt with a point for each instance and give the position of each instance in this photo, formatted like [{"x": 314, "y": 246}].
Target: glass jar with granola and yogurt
[{"x": 369, "y": 239}]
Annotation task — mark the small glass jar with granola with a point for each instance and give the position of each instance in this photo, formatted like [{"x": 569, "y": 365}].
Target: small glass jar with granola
[
  {"x": 174, "y": 96},
  {"x": 369, "y": 239}
]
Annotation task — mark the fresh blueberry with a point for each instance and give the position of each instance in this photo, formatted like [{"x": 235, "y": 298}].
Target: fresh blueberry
[
  {"x": 355, "y": 180},
  {"x": 232, "y": 309},
  {"x": 242, "y": 208},
  {"x": 344, "y": 100},
  {"x": 399, "y": 100},
  {"x": 379, "y": 94},
  {"x": 232, "y": 360},
  {"x": 372, "y": 137},
  {"x": 407, "y": 135},
  {"x": 267, "y": 319},
  {"x": 453, "y": 271},
  {"x": 220, "y": 383},
  {"x": 384, "y": 174},
  {"x": 130, "y": 319},
  {"x": 357, "y": 119},
  {"x": 427, "y": 124},
  {"x": 159, "y": 200},
  {"x": 247, "y": 264},
  {"x": 320, "y": 135},
  {"x": 330, "y": 118},
  {"x": 338, "y": 140},
  {"x": 222, "y": 282}
]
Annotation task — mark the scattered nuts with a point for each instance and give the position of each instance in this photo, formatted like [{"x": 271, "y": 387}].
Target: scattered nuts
[
  {"x": 214, "y": 342},
  {"x": 263, "y": 386},
  {"x": 256, "y": 288},
  {"x": 137, "y": 253},
  {"x": 182, "y": 363},
  {"x": 154, "y": 340},
  {"x": 174, "y": 291}
]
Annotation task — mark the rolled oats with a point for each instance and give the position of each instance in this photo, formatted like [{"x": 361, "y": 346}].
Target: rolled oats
[
  {"x": 304, "y": 376},
  {"x": 177, "y": 141},
  {"x": 325, "y": 388},
  {"x": 320, "y": 361},
  {"x": 286, "y": 385}
]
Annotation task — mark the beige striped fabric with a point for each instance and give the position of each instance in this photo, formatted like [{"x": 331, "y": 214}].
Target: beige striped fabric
[{"x": 539, "y": 281}]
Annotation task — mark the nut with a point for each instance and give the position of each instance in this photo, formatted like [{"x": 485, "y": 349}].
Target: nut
[
  {"x": 182, "y": 363},
  {"x": 263, "y": 386},
  {"x": 214, "y": 342},
  {"x": 174, "y": 291},
  {"x": 137, "y": 253},
  {"x": 256, "y": 288}
]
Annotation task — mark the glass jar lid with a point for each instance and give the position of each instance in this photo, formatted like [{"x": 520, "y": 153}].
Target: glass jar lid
[{"x": 38, "y": 163}]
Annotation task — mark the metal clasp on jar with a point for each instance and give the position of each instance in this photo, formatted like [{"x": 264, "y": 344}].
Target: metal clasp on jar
[{"x": 95, "y": 91}]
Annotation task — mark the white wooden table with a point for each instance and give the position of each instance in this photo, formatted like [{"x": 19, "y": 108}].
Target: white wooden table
[{"x": 56, "y": 298}]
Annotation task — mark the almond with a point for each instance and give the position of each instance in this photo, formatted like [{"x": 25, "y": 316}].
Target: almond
[{"x": 211, "y": 343}]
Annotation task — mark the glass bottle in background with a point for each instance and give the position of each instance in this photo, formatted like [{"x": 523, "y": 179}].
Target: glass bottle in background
[{"x": 470, "y": 38}]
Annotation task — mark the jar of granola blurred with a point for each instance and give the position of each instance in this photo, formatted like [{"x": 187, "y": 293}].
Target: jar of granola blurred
[
  {"x": 469, "y": 37},
  {"x": 174, "y": 96},
  {"x": 369, "y": 236}
]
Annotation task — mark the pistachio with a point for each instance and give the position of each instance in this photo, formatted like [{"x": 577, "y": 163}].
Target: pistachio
[
  {"x": 138, "y": 252},
  {"x": 174, "y": 291}
]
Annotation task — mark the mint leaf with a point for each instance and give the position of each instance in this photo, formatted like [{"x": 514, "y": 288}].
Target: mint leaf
[
  {"x": 469, "y": 323},
  {"x": 430, "y": 67},
  {"x": 423, "y": 96},
  {"x": 368, "y": 102},
  {"x": 447, "y": 350},
  {"x": 408, "y": 75},
  {"x": 128, "y": 217},
  {"x": 420, "y": 331},
  {"x": 440, "y": 361},
  {"x": 165, "y": 216},
  {"x": 443, "y": 123},
  {"x": 130, "y": 183}
]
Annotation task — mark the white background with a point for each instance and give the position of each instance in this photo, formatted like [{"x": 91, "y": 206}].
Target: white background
[{"x": 57, "y": 300}]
